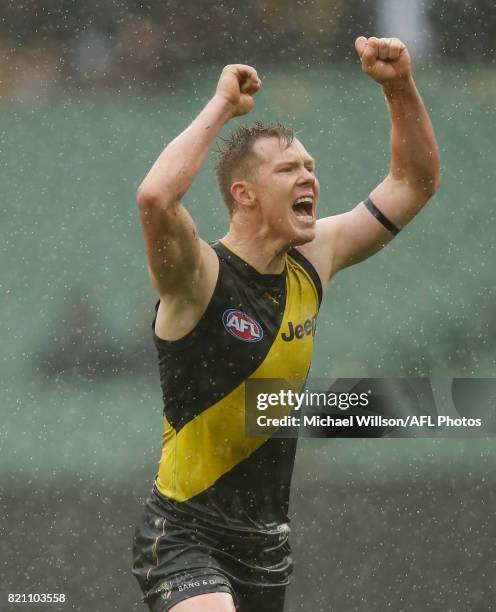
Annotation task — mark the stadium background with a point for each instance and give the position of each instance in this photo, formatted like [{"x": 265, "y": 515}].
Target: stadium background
[{"x": 90, "y": 92}]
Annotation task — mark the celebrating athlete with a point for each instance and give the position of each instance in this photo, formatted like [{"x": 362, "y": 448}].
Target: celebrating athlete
[{"x": 214, "y": 534}]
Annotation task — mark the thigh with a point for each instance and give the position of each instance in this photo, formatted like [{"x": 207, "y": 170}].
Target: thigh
[
  {"x": 185, "y": 592},
  {"x": 210, "y": 602}
]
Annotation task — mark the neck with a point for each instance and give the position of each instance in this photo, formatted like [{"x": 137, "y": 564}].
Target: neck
[{"x": 263, "y": 254}]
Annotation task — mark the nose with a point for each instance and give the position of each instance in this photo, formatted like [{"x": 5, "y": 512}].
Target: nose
[{"x": 306, "y": 177}]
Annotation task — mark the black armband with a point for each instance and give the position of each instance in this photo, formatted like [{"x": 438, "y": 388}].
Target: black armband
[{"x": 380, "y": 217}]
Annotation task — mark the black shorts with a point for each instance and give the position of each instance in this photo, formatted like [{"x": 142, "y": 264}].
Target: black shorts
[{"x": 172, "y": 563}]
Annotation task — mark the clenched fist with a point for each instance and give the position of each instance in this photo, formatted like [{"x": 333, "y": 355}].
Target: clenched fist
[
  {"x": 237, "y": 85},
  {"x": 386, "y": 60}
]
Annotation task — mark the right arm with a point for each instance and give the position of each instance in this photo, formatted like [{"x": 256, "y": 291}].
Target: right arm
[{"x": 177, "y": 258}]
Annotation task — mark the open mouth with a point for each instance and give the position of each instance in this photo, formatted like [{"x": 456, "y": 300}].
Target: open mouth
[{"x": 303, "y": 208}]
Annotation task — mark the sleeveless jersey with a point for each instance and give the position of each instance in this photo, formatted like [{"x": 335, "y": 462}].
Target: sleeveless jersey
[{"x": 255, "y": 326}]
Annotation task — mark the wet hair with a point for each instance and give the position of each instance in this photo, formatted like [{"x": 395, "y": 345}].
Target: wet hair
[{"x": 235, "y": 153}]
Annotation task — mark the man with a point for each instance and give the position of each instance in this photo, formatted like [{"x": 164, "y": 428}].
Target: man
[{"x": 215, "y": 531}]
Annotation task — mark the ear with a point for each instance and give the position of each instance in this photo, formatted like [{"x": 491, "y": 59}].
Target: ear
[{"x": 242, "y": 193}]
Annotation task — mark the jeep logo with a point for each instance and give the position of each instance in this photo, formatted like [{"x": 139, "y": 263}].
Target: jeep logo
[{"x": 300, "y": 330}]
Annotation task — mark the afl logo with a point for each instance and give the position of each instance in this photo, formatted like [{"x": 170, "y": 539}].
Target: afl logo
[{"x": 241, "y": 326}]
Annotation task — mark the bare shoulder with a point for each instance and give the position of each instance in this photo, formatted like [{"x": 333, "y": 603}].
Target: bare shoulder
[{"x": 181, "y": 310}]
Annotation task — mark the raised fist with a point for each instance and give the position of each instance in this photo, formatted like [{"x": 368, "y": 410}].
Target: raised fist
[
  {"x": 384, "y": 59},
  {"x": 237, "y": 85}
]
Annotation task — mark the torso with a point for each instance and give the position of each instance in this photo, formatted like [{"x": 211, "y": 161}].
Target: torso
[
  {"x": 209, "y": 470},
  {"x": 246, "y": 331}
]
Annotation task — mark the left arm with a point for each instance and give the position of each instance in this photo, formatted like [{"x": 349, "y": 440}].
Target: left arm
[{"x": 414, "y": 169}]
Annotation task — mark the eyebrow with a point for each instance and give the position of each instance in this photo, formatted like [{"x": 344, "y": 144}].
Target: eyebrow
[{"x": 294, "y": 162}]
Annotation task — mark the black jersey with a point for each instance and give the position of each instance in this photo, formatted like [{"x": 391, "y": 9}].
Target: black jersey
[{"x": 256, "y": 326}]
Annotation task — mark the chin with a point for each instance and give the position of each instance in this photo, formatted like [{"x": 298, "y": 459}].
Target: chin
[{"x": 302, "y": 237}]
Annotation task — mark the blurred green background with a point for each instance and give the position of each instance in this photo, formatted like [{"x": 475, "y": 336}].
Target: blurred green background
[
  {"x": 422, "y": 307},
  {"x": 400, "y": 524}
]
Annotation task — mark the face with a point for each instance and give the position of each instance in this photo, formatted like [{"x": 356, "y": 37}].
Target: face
[{"x": 286, "y": 189}]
